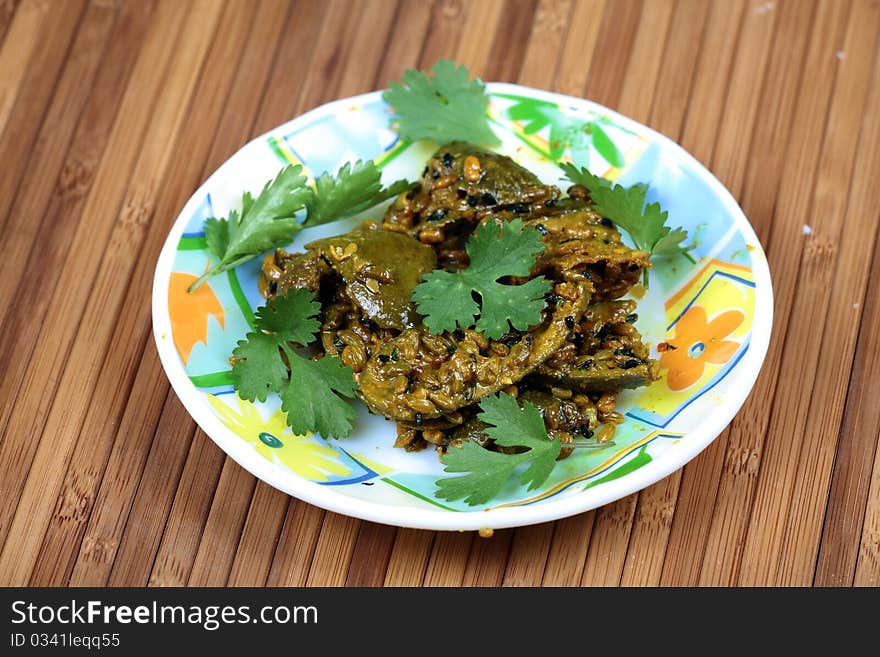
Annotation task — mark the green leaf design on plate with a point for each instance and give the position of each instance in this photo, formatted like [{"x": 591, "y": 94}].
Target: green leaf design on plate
[
  {"x": 606, "y": 146},
  {"x": 641, "y": 459},
  {"x": 567, "y": 133}
]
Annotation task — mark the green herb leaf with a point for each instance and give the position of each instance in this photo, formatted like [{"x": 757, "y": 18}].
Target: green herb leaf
[
  {"x": 265, "y": 361},
  {"x": 263, "y": 223},
  {"x": 625, "y": 206},
  {"x": 352, "y": 190},
  {"x": 447, "y": 106},
  {"x": 217, "y": 235},
  {"x": 446, "y": 299},
  {"x": 310, "y": 402},
  {"x": 488, "y": 471},
  {"x": 258, "y": 368},
  {"x": 291, "y": 318},
  {"x": 269, "y": 220}
]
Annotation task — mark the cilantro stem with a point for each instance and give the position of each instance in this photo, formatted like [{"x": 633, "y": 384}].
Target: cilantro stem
[
  {"x": 687, "y": 254},
  {"x": 219, "y": 269}
]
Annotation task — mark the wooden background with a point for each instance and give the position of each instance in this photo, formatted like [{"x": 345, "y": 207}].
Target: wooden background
[{"x": 112, "y": 114}]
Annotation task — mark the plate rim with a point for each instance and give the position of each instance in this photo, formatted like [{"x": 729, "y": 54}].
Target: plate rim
[{"x": 672, "y": 459}]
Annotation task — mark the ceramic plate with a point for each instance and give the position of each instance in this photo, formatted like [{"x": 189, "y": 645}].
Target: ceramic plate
[{"x": 721, "y": 306}]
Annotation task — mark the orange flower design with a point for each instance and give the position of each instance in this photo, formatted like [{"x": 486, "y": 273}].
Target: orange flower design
[
  {"x": 697, "y": 342},
  {"x": 189, "y": 312}
]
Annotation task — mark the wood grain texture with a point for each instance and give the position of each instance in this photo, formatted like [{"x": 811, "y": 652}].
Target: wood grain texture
[{"x": 106, "y": 480}]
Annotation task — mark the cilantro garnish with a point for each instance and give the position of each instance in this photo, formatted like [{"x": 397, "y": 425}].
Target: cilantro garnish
[
  {"x": 447, "y": 106},
  {"x": 446, "y": 299},
  {"x": 488, "y": 471},
  {"x": 353, "y": 189},
  {"x": 269, "y": 220},
  {"x": 625, "y": 206},
  {"x": 266, "y": 361}
]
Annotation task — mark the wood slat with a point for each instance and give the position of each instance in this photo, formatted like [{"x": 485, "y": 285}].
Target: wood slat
[
  {"x": 296, "y": 547},
  {"x": 121, "y": 451},
  {"x": 617, "y": 33},
  {"x": 763, "y": 552},
  {"x": 31, "y": 413},
  {"x": 218, "y": 547},
  {"x": 409, "y": 557},
  {"x": 371, "y": 554},
  {"x": 152, "y": 502},
  {"x": 487, "y": 561},
  {"x": 473, "y": 47},
  {"x": 581, "y": 37},
  {"x": 333, "y": 551},
  {"x": 528, "y": 555},
  {"x": 23, "y": 105},
  {"x": 448, "y": 559},
  {"x": 568, "y": 550},
  {"x": 262, "y": 529},
  {"x": 784, "y": 230},
  {"x": 7, "y": 12},
  {"x": 189, "y": 513},
  {"x": 52, "y": 143},
  {"x": 22, "y": 33},
  {"x": 135, "y": 431},
  {"x": 859, "y": 432}
]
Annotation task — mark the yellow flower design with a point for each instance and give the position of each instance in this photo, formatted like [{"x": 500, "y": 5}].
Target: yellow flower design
[
  {"x": 275, "y": 442},
  {"x": 697, "y": 342}
]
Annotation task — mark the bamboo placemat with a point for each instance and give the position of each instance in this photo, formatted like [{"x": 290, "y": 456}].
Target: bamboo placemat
[{"x": 111, "y": 115}]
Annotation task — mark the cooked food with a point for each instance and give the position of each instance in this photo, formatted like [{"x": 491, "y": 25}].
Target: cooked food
[
  {"x": 484, "y": 314},
  {"x": 478, "y": 236}
]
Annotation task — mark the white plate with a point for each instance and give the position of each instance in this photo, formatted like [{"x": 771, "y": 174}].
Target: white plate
[{"x": 720, "y": 307}]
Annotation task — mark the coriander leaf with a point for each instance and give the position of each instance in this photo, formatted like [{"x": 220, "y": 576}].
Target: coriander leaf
[
  {"x": 258, "y": 368},
  {"x": 217, "y": 236},
  {"x": 263, "y": 223},
  {"x": 512, "y": 426},
  {"x": 269, "y": 220},
  {"x": 310, "y": 402},
  {"x": 446, "y": 299},
  {"x": 521, "y": 427},
  {"x": 625, "y": 206},
  {"x": 670, "y": 244},
  {"x": 352, "y": 190},
  {"x": 488, "y": 471},
  {"x": 290, "y": 318},
  {"x": 447, "y": 106},
  {"x": 582, "y": 176},
  {"x": 265, "y": 361}
]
